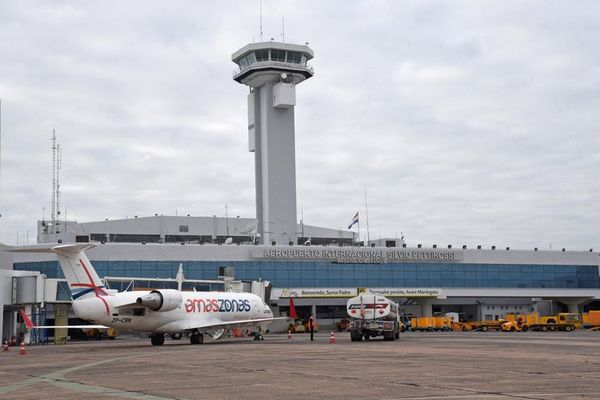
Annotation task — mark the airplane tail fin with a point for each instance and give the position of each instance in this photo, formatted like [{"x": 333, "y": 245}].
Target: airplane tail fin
[{"x": 80, "y": 274}]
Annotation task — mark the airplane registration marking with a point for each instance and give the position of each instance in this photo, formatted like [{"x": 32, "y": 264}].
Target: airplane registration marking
[{"x": 121, "y": 320}]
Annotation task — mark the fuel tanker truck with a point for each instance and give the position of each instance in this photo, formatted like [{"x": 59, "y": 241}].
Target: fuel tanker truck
[{"x": 371, "y": 316}]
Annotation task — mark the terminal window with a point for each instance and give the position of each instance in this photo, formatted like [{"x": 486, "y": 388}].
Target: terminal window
[{"x": 184, "y": 228}]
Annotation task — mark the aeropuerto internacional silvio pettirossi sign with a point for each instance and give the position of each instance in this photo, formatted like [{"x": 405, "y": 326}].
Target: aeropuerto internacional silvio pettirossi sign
[{"x": 358, "y": 255}]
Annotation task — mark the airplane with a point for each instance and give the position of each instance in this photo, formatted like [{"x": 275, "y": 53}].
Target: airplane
[{"x": 157, "y": 312}]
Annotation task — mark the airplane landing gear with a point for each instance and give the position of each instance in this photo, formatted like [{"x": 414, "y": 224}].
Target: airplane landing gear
[
  {"x": 196, "y": 338},
  {"x": 258, "y": 336},
  {"x": 176, "y": 336},
  {"x": 157, "y": 339}
]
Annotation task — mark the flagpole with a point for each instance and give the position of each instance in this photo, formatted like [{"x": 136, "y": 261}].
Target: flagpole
[
  {"x": 358, "y": 228},
  {"x": 367, "y": 215}
]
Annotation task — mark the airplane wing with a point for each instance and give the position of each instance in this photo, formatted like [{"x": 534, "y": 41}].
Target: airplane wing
[
  {"x": 68, "y": 327},
  {"x": 202, "y": 325},
  {"x": 29, "y": 325}
]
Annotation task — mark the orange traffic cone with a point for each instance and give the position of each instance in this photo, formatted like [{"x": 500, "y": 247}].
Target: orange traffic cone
[
  {"x": 22, "y": 349},
  {"x": 332, "y": 338},
  {"x": 289, "y": 334},
  {"x": 6, "y": 345}
]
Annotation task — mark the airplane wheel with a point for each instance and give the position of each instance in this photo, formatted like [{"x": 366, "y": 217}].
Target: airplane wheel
[
  {"x": 197, "y": 338},
  {"x": 176, "y": 336},
  {"x": 157, "y": 339}
]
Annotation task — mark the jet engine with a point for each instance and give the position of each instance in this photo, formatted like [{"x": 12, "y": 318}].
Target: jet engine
[{"x": 161, "y": 300}]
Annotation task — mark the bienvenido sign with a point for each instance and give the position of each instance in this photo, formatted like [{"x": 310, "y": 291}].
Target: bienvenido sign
[
  {"x": 358, "y": 255},
  {"x": 313, "y": 292}
]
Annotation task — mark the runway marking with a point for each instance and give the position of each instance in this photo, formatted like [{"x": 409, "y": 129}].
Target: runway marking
[{"x": 57, "y": 378}]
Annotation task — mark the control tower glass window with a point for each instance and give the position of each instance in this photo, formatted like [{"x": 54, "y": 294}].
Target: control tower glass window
[
  {"x": 278, "y": 55},
  {"x": 262, "y": 55},
  {"x": 294, "y": 57}
]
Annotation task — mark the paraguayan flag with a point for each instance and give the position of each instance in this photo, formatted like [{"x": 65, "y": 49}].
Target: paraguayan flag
[{"x": 354, "y": 220}]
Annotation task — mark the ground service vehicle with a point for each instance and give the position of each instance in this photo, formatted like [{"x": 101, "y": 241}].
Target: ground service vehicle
[
  {"x": 371, "y": 316},
  {"x": 591, "y": 319},
  {"x": 523, "y": 323},
  {"x": 484, "y": 326},
  {"x": 98, "y": 334},
  {"x": 430, "y": 324}
]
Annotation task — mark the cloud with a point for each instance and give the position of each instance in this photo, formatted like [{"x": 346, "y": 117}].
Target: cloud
[{"x": 467, "y": 123}]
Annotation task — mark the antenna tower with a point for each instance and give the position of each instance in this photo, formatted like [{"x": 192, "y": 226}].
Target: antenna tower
[
  {"x": 58, "y": 169},
  {"x": 260, "y": 21},
  {"x": 53, "y": 212}
]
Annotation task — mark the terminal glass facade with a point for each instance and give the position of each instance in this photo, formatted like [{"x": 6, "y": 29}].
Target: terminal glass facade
[{"x": 323, "y": 274}]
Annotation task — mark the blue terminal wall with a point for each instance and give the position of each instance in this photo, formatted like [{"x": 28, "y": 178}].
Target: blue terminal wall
[{"x": 286, "y": 274}]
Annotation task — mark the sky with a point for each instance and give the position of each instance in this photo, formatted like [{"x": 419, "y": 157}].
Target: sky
[{"x": 465, "y": 122}]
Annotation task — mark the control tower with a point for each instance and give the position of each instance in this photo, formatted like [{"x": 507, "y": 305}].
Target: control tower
[{"x": 272, "y": 70}]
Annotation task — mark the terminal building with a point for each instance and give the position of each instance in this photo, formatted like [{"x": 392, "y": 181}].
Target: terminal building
[{"x": 319, "y": 267}]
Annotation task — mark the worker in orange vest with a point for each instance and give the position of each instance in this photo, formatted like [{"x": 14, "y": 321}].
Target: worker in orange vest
[{"x": 311, "y": 327}]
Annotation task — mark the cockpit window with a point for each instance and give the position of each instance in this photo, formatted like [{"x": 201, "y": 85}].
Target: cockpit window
[{"x": 294, "y": 57}]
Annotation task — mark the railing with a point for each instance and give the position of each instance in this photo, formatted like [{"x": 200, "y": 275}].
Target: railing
[{"x": 272, "y": 63}]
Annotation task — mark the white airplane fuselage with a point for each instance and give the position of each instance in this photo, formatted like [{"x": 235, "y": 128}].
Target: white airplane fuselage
[{"x": 196, "y": 309}]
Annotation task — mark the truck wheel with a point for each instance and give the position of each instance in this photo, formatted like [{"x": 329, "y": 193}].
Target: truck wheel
[
  {"x": 524, "y": 328},
  {"x": 544, "y": 328},
  {"x": 484, "y": 329},
  {"x": 552, "y": 328},
  {"x": 513, "y": 329},
  {"x": 568, "y": 328},
  {"x": 397, "y": 335}
]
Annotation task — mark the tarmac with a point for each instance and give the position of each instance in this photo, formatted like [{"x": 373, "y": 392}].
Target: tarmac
[{"x": 454, "y": 365}]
